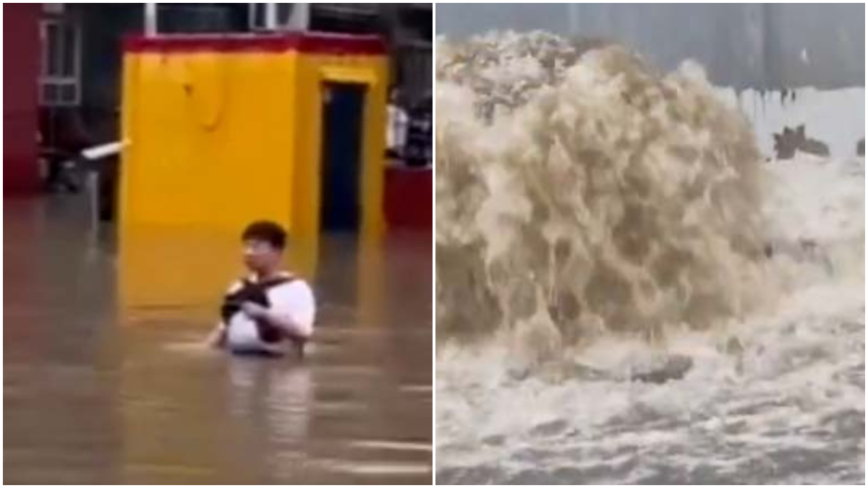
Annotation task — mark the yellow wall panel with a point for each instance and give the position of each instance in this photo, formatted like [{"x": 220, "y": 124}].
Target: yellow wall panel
[
  {"x": 224, "y": 131},
  {"x": 211, "y": 137},
  {"x": 220, "y": 138},
  {"x": 314, "y": 72}
]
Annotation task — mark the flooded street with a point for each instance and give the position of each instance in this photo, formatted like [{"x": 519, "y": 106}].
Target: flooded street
[{"x": 106, "y": 380}]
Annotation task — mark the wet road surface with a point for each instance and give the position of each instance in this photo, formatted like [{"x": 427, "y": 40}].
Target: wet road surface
[{"x": 106, "y": 380}]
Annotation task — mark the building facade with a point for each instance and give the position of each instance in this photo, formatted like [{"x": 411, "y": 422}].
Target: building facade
[{"x": 65, "y": 62}]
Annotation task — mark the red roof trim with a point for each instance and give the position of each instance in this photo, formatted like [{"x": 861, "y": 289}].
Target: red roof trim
[{"x": 319, "y": 43}]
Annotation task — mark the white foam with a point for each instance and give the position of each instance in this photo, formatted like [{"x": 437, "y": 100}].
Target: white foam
[{"x": 775, "y": 394}]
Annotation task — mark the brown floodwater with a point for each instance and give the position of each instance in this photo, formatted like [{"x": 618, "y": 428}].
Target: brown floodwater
[{"x": 106, "y": 381}]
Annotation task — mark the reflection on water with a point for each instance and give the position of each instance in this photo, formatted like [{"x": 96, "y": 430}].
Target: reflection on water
[{"x": 105, "y": 382}]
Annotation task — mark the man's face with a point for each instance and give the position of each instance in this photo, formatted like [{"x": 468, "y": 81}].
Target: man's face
[{"x": 260, "y": 255}]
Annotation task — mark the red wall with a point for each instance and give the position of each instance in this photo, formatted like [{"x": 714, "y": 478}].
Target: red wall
[
  {"x": 20, "y": 70},
  {"x": 409, "y": 198}
]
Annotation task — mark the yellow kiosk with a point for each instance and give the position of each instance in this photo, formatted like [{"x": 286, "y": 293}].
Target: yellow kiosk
[
  {"x": 227, "y": 129},
  {"x": 230, "y": 128}
]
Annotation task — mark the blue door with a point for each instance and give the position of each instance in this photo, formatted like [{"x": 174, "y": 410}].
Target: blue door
[{"x": 343, "y": 105}]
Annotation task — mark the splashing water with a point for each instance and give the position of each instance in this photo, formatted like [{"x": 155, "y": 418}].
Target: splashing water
[
  {"x": 604, "y": 197},
  {"x": 596, "y": 218}
]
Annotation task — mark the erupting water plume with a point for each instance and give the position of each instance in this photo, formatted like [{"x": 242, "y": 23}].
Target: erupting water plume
[{"x": 580, "y": 193}]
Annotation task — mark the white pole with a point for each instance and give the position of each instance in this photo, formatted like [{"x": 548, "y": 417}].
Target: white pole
[
  {"x": 150, "y": 19},
  {"x": 300, "y": 18},
  {"x": 574, "y": 19},
  {"x": 271, "y": 16},
  {"x": 93, "y": 191}
]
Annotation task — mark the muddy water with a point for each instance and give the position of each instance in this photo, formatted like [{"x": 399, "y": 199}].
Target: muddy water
[
  {"x": 607, "y": 225},
  {"x": 105, "y": 380}
]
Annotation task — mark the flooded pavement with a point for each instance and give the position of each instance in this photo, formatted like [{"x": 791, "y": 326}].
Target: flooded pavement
[{"x": 106, "y": 380}]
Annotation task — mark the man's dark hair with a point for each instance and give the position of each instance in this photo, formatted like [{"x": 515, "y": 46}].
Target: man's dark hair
[{"x": 266, "y": 231}]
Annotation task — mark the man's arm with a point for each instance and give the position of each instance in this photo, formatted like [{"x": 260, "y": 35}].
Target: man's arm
[
  {"x": 287, "y": 323},
  {"x": 281, "y": 319},
  {"x": 217, "y": 337},
  {"x": 292, "y": 310}
]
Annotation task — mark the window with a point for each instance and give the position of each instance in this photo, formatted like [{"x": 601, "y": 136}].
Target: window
[
  {"x": 52, "y": 8},
  {"x": 259, "y": 16},
  {"x": 412, "y": 67},
  {"x": 60, "y": 74}
]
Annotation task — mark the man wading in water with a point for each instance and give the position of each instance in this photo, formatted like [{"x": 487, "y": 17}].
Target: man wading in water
[{"x": 271, "y": 310}]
